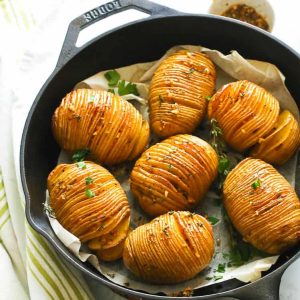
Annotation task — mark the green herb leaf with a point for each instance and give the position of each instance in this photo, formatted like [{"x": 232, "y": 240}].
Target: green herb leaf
[
  {"x": 213, "y": 220},
  {"x": 208, "y": 278},
  {"x": 80, "y": 155},
  {"x": 256, "y": 184},
  {"x": 221, "y": 268},
  {"x": 125, "y": 89},
  {"x": 89, "y": 193},
  {"x": 224, "y": 165},
  {"x": 89, "y": 180},
  {"x": 111, "y": 91},
  {"x": 81, "y": 165},
  {"x": 170, "y": 167},
  {"x": 112, "y": 77},
  {"x": 217, "y": 277},
  {"x": 208, "y": 98}
]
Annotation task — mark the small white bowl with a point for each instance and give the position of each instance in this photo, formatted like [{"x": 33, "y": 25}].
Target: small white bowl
[{"x": 262, "y": 7}]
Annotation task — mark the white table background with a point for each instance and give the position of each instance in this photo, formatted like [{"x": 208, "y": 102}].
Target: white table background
[{"x": 30, "y": 56}]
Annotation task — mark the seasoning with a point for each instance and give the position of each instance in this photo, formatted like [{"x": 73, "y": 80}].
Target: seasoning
[{"x": 247, "y": 14}]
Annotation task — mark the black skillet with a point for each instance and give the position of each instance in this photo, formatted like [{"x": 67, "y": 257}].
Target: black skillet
[{"x": 141, "y": 41}]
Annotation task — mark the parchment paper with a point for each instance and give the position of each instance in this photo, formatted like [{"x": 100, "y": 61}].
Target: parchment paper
[{"x": 230, "y": 67}]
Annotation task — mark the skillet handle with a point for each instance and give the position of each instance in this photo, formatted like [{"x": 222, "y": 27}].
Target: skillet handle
[{"x": 69, "y": 48}]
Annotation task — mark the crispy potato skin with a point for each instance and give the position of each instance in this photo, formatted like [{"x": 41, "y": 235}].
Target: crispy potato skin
[
  {"x": 279, "y": 146},
  {"x": 178, "y": 90},
  {"x": 173, "y": 174},
  {"x": 268, "y": 217},
  {"x": 245, "y": 112},
  {"x": 172, "y": 248},
  {"x": 109, "y": 126},
  {"x": 102, "y": 220}
]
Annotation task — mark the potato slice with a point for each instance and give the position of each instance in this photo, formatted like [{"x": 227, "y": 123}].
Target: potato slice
[
  {"x": 110, "y": 127},
  {"x": 279, "y": 146},
  {"x": 178, "y": 90},
  {"x": 245, "y": 112},
  {"x": 173, "y": 174},
  {"x": 172, "y": 248},
  {"x": 262, "y": 206},
  {"x": 89, "y": 202}
]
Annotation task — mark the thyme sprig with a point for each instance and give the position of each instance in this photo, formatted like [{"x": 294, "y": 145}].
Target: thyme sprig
[{"x": 219, "y": 146}]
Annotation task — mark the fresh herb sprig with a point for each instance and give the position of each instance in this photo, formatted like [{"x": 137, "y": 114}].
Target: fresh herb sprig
[
  {"x": 123, "y": 87},
  {"x": 241, "y": 252},
  {"x": 219, "y": 146},
  {"x": 80, "y": 155}
]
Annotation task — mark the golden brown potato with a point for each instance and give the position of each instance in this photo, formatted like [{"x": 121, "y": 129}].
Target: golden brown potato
[
  {"x": 245, "y": 112},
  {"x": 283, "y": 141},
  {"x": 262, "y": 206},
  {"x": 110, "y": 127},
  {"x": 173, "y": 174},
  {"x": 178, "y": 90},
  {"x": 89, "y": 202},
  {"x": 172, "y": 248}
]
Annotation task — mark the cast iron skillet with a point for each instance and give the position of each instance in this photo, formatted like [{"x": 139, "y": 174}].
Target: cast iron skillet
[{"x": 141, "y": 41}]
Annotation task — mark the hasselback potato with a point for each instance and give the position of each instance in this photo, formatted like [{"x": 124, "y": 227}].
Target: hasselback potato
[
  {"x": 281, "y": 143},
  {"x": 172, "y": 248},
  {"x": 245, "y": 112},
  {"x": 89, "y": 202},
  {"x": 173, "y": 174},
  {"x": 178, "y": 90},
  {"x": 262, "y": 206},
  {"x": 109, "y": 126}
]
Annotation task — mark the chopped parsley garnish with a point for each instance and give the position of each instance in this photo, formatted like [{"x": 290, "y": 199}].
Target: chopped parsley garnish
[
  {"x": 89, "y": 193},
  {"x": 221, "y": 268},
  {"x": 112, "y": 77},
  {"x": 208, "y": 98},
  {"x": 213, "y": 220},
  {"x": 80, "y": 155},
  {"x": 125, "y": 89},
  {"x": 89, "y": 180},
  {"x": 256, "y": 184},
  {"x": 81, "y": 165},
  {"x": 217, "y": 277}
]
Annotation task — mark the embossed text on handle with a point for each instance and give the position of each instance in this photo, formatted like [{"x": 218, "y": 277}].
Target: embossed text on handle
[{"x": 101, "y": 10}]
